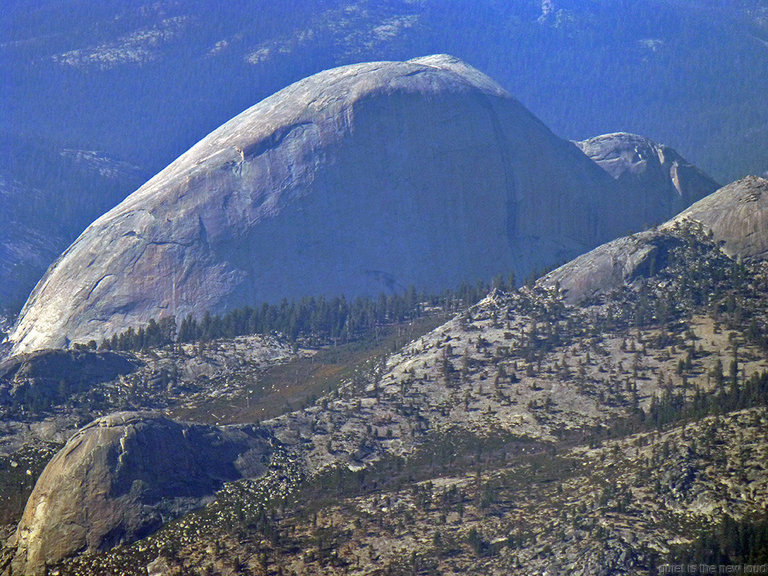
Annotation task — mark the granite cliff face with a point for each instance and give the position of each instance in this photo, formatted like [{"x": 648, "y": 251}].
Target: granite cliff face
[
  {"x": 662, "y": 180},
  {"x": 736, "y": 216},
  {"x": 119, "y": 478},
  {"x": 356, "y": 180}
]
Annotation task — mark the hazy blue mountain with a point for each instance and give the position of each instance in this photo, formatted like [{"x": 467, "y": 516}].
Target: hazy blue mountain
[
  {"x": 140, "y": 82},
  {"x": 48, "y": 195}
]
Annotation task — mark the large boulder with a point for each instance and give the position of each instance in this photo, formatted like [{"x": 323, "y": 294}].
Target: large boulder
[
  {"x": 357, "y": 180},
  {"x": 124, "y": 475}
]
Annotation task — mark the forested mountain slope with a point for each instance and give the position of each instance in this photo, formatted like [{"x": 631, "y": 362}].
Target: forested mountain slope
[{"x": 616, "y": 434}]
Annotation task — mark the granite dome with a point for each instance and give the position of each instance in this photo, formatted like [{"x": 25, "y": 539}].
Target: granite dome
[{"x": 355, "y": 180}]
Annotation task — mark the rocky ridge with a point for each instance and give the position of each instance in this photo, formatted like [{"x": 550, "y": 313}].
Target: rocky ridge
[
  {"x": 504, "y": 409},
  {"x": 735, "y": 215},
  {"x": 68, "y": 386},
  {"x": 618, "y": 506},
  {"x": 524, "y": 376},
  {"x": 61, "y": 367},
  {"x": 587, "y": 511}
]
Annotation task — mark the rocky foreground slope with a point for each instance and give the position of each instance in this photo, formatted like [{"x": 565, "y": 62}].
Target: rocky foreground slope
[
  {"x": 357, "y": 180},
  {"x": 605, "y": 434}
]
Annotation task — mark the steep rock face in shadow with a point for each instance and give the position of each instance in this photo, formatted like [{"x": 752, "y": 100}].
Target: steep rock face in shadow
[
  {"x": 662, "y": 180},
  {"x": 356, "y": 180},
  {"x": 119, "y": 478},
  {"x": 69, "y": 366},
  {"x": 735, "y": 216},
  {"x": 51, "y": 376}
]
